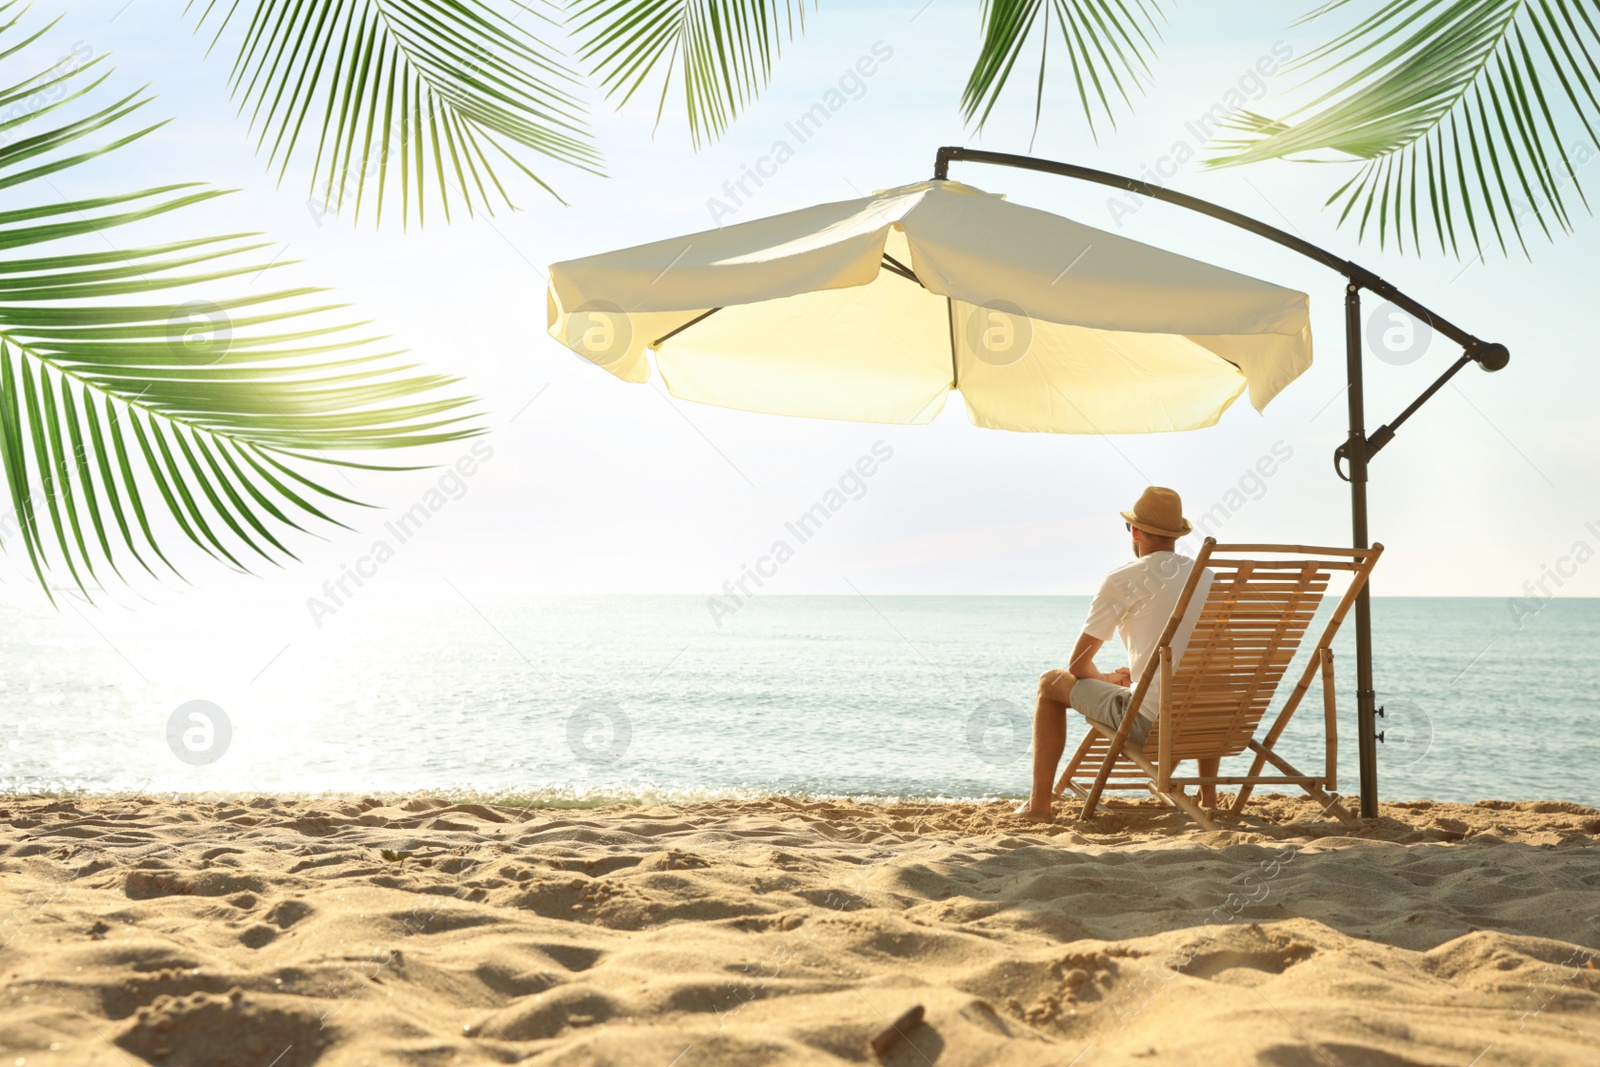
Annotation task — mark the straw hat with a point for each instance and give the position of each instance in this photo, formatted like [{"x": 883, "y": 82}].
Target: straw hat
[{"x": 1159, "y": 512}]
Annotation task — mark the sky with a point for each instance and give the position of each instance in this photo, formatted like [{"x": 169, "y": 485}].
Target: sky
[{"x": 585, "y": 484}]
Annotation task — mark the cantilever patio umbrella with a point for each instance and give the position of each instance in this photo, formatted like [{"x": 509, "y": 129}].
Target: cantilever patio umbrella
[{"x": 874, "y": 309}]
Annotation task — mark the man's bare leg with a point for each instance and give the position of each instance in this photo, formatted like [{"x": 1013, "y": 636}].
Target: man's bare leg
[
  {"x": 1208, "y": 791},
  {"x": 1049, "y": 741}
]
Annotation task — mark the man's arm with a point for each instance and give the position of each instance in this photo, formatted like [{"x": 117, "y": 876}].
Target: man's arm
[
  {"x": 1082, "y": 662},
  {"x": 1105, "y": 612}
]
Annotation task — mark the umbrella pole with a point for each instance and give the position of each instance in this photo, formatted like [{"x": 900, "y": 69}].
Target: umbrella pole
[
  {"x": 1356, "y": 457},
  {"x": 1359, "y": 447}
]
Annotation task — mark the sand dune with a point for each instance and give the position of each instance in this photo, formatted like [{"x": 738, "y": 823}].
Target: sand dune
[{"x": 272, "y": 932}]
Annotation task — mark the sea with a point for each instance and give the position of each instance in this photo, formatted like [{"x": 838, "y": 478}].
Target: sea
[{"x": 580, "y": 699}]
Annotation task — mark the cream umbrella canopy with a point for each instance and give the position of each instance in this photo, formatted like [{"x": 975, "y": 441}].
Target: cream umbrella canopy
[{"x": 874, "y": 309}]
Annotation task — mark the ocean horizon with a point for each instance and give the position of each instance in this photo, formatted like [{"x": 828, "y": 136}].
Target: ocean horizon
[{"x": 581, "y": 697}]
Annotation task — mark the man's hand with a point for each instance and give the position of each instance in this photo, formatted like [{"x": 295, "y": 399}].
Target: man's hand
[{"x": 1121, "y": 676}]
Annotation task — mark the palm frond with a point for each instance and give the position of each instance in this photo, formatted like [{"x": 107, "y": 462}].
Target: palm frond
[
  {"x": 1108, "y": 43},
  {"x": 421, "y": 98},
  {"x": 1464, "y": 113},
  {"x": 721, "y": 50},
  {"x": 129, "y": 404}
]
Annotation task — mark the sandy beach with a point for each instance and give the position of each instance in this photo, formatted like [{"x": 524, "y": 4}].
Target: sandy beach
[{"x": 277, "y": 932}]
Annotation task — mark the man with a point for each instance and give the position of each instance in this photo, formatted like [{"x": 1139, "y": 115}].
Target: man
[{"x": 1135, "y": 602}]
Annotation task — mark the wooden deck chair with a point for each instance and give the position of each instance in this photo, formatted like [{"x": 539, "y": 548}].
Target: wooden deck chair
[{"x": 1259, "y": 606}]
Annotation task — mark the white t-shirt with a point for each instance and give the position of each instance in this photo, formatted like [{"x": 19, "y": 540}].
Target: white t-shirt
[{"x": 1135, "y": 603}]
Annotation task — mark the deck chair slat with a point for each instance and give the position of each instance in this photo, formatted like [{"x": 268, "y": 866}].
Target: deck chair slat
[
  {"x": 1194, "y": 725},
  {"x": 1190, "y": 717},
  {"x": 1235, "y": 646},
  {"x": 1252, "y": 609},
  {"x": 1223, "y": 699},
  {"x": 1251, "y": 627},
  {"x": 1298, "y": 550},
  {"x": 1200, "y": 725},
  {"x": 1256, "y": 612},
  {"x": 1244, "y": 652},
  {"x": 1271, "y": 576},
  {"x": 1258, "y": 609}
]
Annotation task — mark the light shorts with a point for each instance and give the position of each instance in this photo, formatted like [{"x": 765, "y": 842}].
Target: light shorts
[{"x": 1106, "y": 704}]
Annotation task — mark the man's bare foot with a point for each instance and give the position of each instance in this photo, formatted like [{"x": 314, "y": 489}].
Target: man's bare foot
[{"x": 1032, "y": 814}]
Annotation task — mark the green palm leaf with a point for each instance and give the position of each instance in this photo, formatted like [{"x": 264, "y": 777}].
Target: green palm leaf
[
  {"x": 1108, "y": 44},
  {"x": 722, "y": 50},
  {"x": 1462, "y": 111},
  {"x": 421, "y": 98},
  {"x": 128, "y": 407}
]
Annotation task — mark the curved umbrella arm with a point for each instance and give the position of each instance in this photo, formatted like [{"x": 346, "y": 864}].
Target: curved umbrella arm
[{"x": 1491, "y": 357}]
